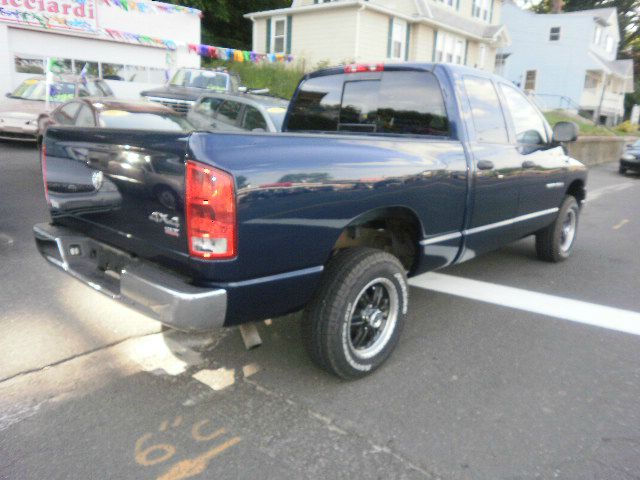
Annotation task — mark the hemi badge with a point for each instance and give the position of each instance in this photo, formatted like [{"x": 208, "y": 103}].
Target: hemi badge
[{"x": 555, "y": 185}]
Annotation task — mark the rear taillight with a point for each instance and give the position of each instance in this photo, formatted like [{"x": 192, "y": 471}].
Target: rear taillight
[
  {"x": 363, "y": 67},
  {"x": 43, "y": 159},
  {"x": 210, "y": 212}
]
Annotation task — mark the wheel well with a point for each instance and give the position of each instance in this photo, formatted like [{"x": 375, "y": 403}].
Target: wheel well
[
  {"x": 576, "y": 189},
  {"x": 395, "y": 230}
]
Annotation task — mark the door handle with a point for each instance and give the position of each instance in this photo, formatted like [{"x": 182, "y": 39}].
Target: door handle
[
  {"x": 528, "y": 164},
  {"x": 485, "y": 165}
]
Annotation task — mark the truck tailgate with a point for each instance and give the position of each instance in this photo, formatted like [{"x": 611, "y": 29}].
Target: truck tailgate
[{"x": 125, "y": 188}]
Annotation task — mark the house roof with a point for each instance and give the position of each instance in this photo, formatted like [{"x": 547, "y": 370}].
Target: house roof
[
  {"x": 425, "y": 12},
  {"x": 620, "y": 68}
]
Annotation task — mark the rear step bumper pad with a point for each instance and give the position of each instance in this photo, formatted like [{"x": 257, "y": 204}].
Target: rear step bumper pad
[{"x": 161, "y": 295}]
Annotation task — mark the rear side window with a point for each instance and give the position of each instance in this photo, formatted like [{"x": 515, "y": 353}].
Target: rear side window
[
  {"x": 67, "y": 113},
  {"x": 253, "y": 120},
  {"x": 403, "y": 102},
  {"x": 488, "y": 119},
  {"x": 229, "y": 111}
]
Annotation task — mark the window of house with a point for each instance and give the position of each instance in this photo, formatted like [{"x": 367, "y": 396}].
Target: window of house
[
  {"x": 530, "y": 79},
  {"x": 279, "y": 35},
  {"x": 528, "y": 123},
  {"x": 591, "y": 80},
  {"x": 398, "y": 39},
  {"x": 395, "y": 103},
  {"x": 481, "y": 9},
  {"x": 609, "y": 44},
  {"x": 449, "y": 3},
  {"x": 449, "y": 48},
  {"x": 598, "y": 36},
  {"x": 488, "y": 118},
  {"x": 482, "y": 57},
  {"x": 554, "y": 34}
]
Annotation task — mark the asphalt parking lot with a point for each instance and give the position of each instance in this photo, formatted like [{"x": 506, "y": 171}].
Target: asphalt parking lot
[{"x": 514, "y": 382}]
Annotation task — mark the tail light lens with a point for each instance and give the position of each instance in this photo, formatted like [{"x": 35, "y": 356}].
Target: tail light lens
[
  {"x": 43, "y": 159},
  {"x": 210, "y": 212}
]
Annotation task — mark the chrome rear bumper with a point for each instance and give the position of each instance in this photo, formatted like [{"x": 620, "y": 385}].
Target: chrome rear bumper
[{"x": 162, "y": 295}]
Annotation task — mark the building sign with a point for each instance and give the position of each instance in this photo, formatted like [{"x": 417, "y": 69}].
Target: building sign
[{"x": 78, "y": 15}]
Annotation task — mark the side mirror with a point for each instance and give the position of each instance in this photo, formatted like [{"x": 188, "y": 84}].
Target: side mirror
[
  {"x": 243, "y": 89},
  {"x": 565, "y": 132}
]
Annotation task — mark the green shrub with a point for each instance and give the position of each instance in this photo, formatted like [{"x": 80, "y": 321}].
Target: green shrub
[{"x": 627, "y": 127}]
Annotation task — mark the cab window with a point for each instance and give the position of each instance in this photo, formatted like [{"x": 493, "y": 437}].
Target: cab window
[
  {"x": 391, "y": 102},
  {"x": 530, "y": 127},
  {"x": 488, "y": 119}
]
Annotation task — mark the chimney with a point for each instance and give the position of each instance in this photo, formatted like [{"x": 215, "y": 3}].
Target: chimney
[{"x": 557, "y": 6}]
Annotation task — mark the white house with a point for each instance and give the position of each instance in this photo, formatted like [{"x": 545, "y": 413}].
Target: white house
[
  {"x": 344, "y": 31},
  {"x": 136, "y": 45},
  {"x": 568, "y": 60}
]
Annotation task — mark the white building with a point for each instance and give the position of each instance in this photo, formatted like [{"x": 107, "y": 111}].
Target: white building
[
  {"x": 465, "y": 32},
  {"x": 568, "y": 60},
  {"x": 133, "y": 48}
]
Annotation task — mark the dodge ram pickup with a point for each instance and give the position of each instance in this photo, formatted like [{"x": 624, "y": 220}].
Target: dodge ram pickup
[{"x": 382, "y": 172}]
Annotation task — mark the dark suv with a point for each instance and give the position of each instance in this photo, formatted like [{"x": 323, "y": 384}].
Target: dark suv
[{"x": 188, "y": 84}]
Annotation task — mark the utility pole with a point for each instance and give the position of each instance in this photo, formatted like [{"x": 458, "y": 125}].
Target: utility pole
[{"x": 596, "y": 114}]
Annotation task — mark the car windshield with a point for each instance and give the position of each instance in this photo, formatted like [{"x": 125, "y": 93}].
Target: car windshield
[
  {"x": 217, "y": 81},
  {"x": 277, "y": 115},
  {"x": 144, "y": 121},
  {"x": 635, "y": 145},
  {"x": 37, "y": 90}
]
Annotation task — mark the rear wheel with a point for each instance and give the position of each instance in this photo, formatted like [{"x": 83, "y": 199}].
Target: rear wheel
[
  {"x": 555, "y": 242},
  {"x": 354, "y": 321}
]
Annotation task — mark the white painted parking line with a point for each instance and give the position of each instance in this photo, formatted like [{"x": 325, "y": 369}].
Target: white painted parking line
[
  {"x": 599, "y": 192},
  {"x": 559, "y": 307}
]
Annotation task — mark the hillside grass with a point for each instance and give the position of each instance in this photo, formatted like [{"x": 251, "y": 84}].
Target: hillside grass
[
  {"x": 588, "y": 128},
  {"x": 281, "y": 80}
]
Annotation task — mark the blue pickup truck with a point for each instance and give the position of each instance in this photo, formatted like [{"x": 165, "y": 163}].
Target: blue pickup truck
[{"x": 382, "y": 172}]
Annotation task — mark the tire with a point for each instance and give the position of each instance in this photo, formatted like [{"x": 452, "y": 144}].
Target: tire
[
  {"x": 348, "y": 329},
  {"x": 555, "y": 243},
  {"x": 622, "y": 170}
]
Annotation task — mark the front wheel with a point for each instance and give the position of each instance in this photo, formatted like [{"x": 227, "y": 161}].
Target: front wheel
[
  {"x": 622, "y": 170},
  {"x": 354, "y": 321},
  {"x": 555, "y": 242}
]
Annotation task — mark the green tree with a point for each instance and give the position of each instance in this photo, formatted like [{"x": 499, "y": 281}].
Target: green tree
[{"x": 223, "y": 23}]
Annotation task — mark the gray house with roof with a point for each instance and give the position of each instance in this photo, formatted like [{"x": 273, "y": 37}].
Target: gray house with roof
[
  {"x": 568, "y": 60},
  {"x": 344, "y": 31}
]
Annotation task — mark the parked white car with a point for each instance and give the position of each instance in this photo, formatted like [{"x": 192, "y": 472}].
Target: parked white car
[{"x": 22, "y": 111}]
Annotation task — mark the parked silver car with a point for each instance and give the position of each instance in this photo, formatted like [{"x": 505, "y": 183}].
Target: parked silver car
[
  {"x": 238, "y": 113},
  {"x": 24, "y": 109}
]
